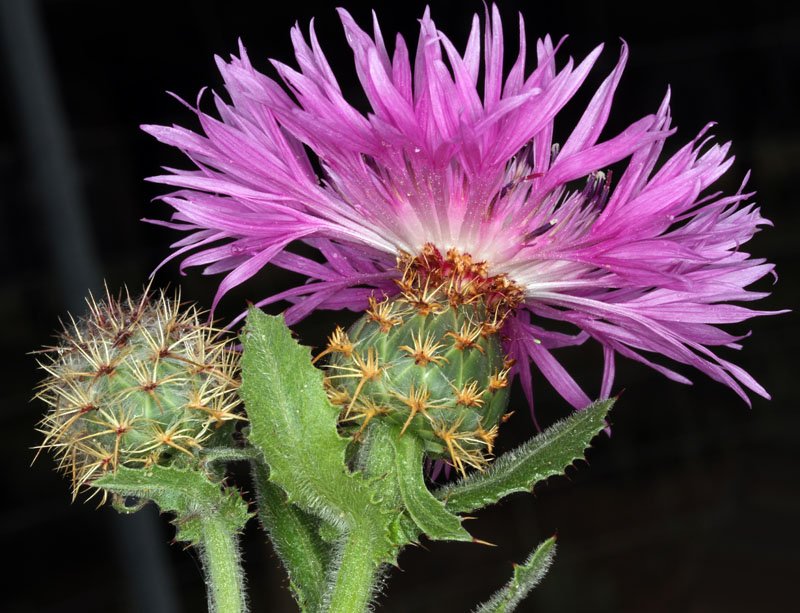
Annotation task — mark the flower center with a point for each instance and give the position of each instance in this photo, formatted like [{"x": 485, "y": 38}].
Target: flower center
[{"x": 432, "y": 281}]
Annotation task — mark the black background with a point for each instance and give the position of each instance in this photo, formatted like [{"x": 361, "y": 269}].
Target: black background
[{"x": 692, "y": 503}]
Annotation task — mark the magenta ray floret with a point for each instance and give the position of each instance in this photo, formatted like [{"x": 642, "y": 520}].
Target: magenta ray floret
[{"x": 646, "y": 262}]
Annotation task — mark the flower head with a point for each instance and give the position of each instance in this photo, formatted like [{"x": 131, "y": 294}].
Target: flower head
[
  {"x": 462, "y": 166},
  {"x": 136, "y": 382}
]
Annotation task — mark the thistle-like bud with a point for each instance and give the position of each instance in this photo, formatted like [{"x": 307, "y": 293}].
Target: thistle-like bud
[
  {"x": 135, "y": 383},
  {"x": 431, "y": 360}
]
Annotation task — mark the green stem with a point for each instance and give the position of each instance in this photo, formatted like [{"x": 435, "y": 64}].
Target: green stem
[
  {"x": 230, "y": 454},
  {"x": 295, "y": 539},
  {"x": 356, "y": 567},
  {"x": 356, "y": 575},
  {"x": 222, "y": 567}
]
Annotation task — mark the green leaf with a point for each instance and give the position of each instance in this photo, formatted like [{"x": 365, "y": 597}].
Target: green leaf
[
  {"x": 526, "y": 577},
  {"x": 374, "y": 458},
  {"x": 294, "y": 535},
  {"x": 189, "y": 494},
  {"x": 426, "y": 511},
  {"x": 294, "y": 425},
  {"x": 544, "y": 456},
  {"x": 292, "y": 421}
]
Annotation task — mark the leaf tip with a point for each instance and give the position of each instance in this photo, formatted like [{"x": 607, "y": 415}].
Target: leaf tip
[{"x": 481, "y": 542}]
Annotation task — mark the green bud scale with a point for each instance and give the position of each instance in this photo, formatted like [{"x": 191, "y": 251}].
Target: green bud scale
[
  {"x": 135, "y": 383},
  {"x": 430, "y": 360}
]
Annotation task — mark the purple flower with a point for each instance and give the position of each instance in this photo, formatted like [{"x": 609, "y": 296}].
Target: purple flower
[{"x": 645, "y": 261}]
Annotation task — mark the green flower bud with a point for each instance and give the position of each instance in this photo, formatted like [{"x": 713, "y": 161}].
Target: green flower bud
[
  {"x": 431, "y": 360},
  {"x": 135, "y": 383}
]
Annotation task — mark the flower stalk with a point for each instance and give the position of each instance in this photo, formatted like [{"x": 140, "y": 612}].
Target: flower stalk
[
  {"x": 222, "y": 565},
  {"x": 356, "y": 571}
]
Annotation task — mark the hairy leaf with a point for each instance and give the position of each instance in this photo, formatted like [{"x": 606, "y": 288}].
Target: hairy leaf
[
  {"x": 545, "y": 455},
  {"x": 526, "y": 577},
  {"x": 189, "y": 494},
  {"x": 294, "y": 426},
  {"x": 426, "y": 511}
]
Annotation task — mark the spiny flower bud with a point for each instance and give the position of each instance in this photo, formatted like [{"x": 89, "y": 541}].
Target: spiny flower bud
[
  {"x": 135, "y": 383},
  {"x": 430, "y": 360}
]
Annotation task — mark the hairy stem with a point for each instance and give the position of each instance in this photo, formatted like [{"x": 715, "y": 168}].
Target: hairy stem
[
  {"x": 353, "y": 586},
  {"x": 222, "y": 566},
  {"x": 294, "y": 537}
]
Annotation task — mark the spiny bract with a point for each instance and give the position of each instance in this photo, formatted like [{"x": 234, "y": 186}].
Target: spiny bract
[
  {"x": 430, "y": 361},
  {"x": 135, "y": 383}
]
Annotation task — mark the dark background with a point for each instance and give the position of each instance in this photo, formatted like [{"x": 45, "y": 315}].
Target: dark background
[{"x": 691, "y": 505}]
